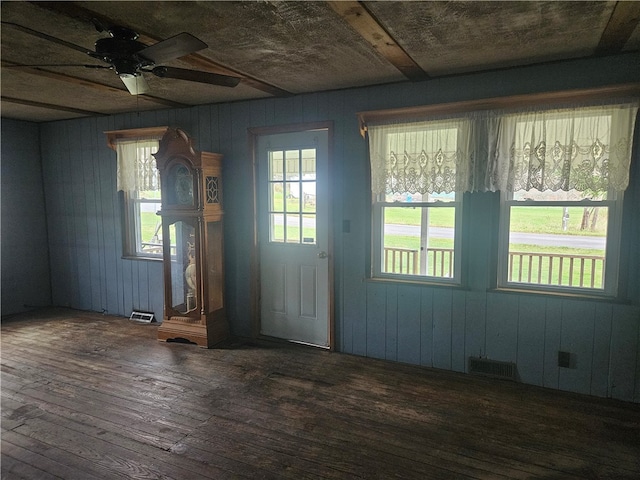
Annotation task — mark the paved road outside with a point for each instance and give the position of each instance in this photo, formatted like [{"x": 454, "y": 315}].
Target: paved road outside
[{"x": 541, "y": 239}]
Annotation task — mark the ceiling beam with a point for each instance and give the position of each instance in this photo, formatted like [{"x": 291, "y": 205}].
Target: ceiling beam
[
  {"x": 50, "y": 106},
  {"x": 368, "y": 27},
  {"x": 622, "y": 23},
  {"x": 83, "y": 14},
  {"x": 101, "y": 87}
]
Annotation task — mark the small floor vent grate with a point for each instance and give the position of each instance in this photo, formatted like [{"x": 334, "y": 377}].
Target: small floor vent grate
[
  {"x": 492, "y": 368},
  {"x": 141, "y": 317}
]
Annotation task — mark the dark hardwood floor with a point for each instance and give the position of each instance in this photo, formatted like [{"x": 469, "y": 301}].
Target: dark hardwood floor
[{"x": 86, "y": 396}]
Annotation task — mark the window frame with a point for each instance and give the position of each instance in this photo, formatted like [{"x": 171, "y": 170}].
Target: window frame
[
  {"x": 131, "y": 225},
  {"x": 614, "y": 204},
  {"x": 377, "y": 239}
]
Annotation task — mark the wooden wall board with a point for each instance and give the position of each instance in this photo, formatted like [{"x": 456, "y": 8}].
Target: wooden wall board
[
  {"x": 502, "y": 327},
  {"x": 475, "y": 326},
  {"x": 552, "y": 339},
  {"x": 601, "y": 350},
  {"x": 530, "y": 358},
  {"x": 577, "y": 338},
  {"x": 391, "y": 323},
  {"x": 442, "y": 328},
  {"x": 427, "y": 327},
  {"x": 459, "y": 331},
  {"x": 409, "y": 322},
  {"x": 624, "y": 352},
  {"x": 376, "y": 325}
]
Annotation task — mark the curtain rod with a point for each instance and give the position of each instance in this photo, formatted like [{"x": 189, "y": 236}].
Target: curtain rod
[{"x": 498, "y": 103}]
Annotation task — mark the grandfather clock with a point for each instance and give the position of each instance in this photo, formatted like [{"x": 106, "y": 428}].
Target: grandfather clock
[{"x": 192, "y": 234}]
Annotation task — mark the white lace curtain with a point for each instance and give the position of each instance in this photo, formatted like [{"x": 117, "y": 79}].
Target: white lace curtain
[
  {"x": 582, "y": 149},
  {"x": 136, "y": 165}
]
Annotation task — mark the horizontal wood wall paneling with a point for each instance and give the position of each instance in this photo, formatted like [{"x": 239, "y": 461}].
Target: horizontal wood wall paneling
[
  {"x": 601, "y": 350},
  {"x": 391, "y": 323},
  {"x": 376, "y": 326},
  {"x": 442, "y": 327},
  {"x": 624, "y": 351},
  {"x": 577, "y": 338},
  {"x": 409, "y": 323},
  {"x": 502, "y": 327},
  {"x": 531, "y": 339},
  {"x": 552, "y": 339}
]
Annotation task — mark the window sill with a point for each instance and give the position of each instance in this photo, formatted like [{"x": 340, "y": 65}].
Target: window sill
[
  {"x": 559, "y": 294},
  {"x": 417, "y": 283},
  {"x": 147, "y": 259}
]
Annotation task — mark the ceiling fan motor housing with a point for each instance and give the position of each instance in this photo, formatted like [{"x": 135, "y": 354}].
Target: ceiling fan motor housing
[{"x": 122, "y": 54}]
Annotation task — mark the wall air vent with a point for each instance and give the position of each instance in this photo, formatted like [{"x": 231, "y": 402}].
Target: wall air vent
[{"x": 492, "y": 368}]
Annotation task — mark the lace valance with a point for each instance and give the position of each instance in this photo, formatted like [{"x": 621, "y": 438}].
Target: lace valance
[
  {"x": 136, "y": 165},
  {"x": 583, "y": 149},
  {"x": 420, "y": 157}
]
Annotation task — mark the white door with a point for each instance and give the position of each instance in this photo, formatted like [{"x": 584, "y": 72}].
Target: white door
[{"x": 293, "y": 229}]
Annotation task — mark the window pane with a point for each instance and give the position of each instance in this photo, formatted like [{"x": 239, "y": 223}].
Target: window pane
[
  {"x": 559, "y": 196},
  {"x": 418, "y": 241},
  {"x": 276, "y": 227},
  {"x": 309, "y": 229},
  {"x": 293, "y": 229},
  {"x": 149, "y": 228},
  {"x": 562, "y": 246},
  {"x": 276, "y": 197},
  {"x": 309, "y": 164},
  {"x": 293, "y": 196},
  {"x": 276, "y": 160},
  {"x": 309, "y": 196},
  {"x": 293, "y": 164},
  {"x": 407, "y": 197}
]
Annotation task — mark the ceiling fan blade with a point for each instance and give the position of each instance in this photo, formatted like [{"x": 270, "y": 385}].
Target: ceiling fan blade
[
  {"x": 171, "y": 48},
  {"x": 136, "y": 84},
  {"x": 196, "y": 76},
  {"x": 56, "y": 65}
]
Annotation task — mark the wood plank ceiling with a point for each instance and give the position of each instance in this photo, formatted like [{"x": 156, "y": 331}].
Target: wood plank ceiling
[{"x": 289, "y": 47}]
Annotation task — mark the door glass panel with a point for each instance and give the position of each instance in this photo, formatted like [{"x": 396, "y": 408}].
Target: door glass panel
[
  {"x": 309, "y": 229},
  {"x": 293, "y": 229},
  {"x": 293, "y": 164},
  {"x": 295, "y": 194},
  {"x": 276, "y": 227}
]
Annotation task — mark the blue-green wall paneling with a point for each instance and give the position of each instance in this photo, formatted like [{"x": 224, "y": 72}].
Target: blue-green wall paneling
[
  {"x": 531, "y": 339},
  {"x": 431, "y": 326}
]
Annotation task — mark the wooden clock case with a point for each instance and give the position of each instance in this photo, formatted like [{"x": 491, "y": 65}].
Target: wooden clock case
[{"x": 192, "y": 234}]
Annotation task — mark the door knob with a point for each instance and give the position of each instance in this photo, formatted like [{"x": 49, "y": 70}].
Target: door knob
[{"x": 322, "y": 255}]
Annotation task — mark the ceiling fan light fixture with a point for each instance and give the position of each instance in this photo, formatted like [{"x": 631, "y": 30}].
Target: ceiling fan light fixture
[{"x": 135, "y": 83}]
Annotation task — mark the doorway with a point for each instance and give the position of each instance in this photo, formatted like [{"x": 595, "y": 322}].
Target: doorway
[{"x": 293, "y": 232}]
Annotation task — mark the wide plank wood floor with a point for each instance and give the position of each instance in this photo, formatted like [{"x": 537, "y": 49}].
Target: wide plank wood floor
[{"x": 86, "y": 396}]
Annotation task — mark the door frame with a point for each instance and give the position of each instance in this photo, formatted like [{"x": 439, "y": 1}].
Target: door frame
[{"x": 254, "y": 133}]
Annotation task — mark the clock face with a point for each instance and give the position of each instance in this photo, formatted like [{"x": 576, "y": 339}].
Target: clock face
[{"x": 183, "y": 185}]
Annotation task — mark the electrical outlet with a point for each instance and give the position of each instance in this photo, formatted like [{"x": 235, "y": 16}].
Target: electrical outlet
[{"x": 564, "y": 359}]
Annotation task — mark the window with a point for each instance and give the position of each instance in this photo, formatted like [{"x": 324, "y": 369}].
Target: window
[
  {"x": 292, "y": 196},
  {"x": 561, "y": 211},
  {"x": 139, "y": 180},
  {"x": 416, "y": 172},
  {"x": 561, "y": 174},
  {"x": 142, "y": 226}
]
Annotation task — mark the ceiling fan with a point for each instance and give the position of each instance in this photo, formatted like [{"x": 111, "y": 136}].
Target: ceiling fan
[{"x": 130, "y": 58}]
